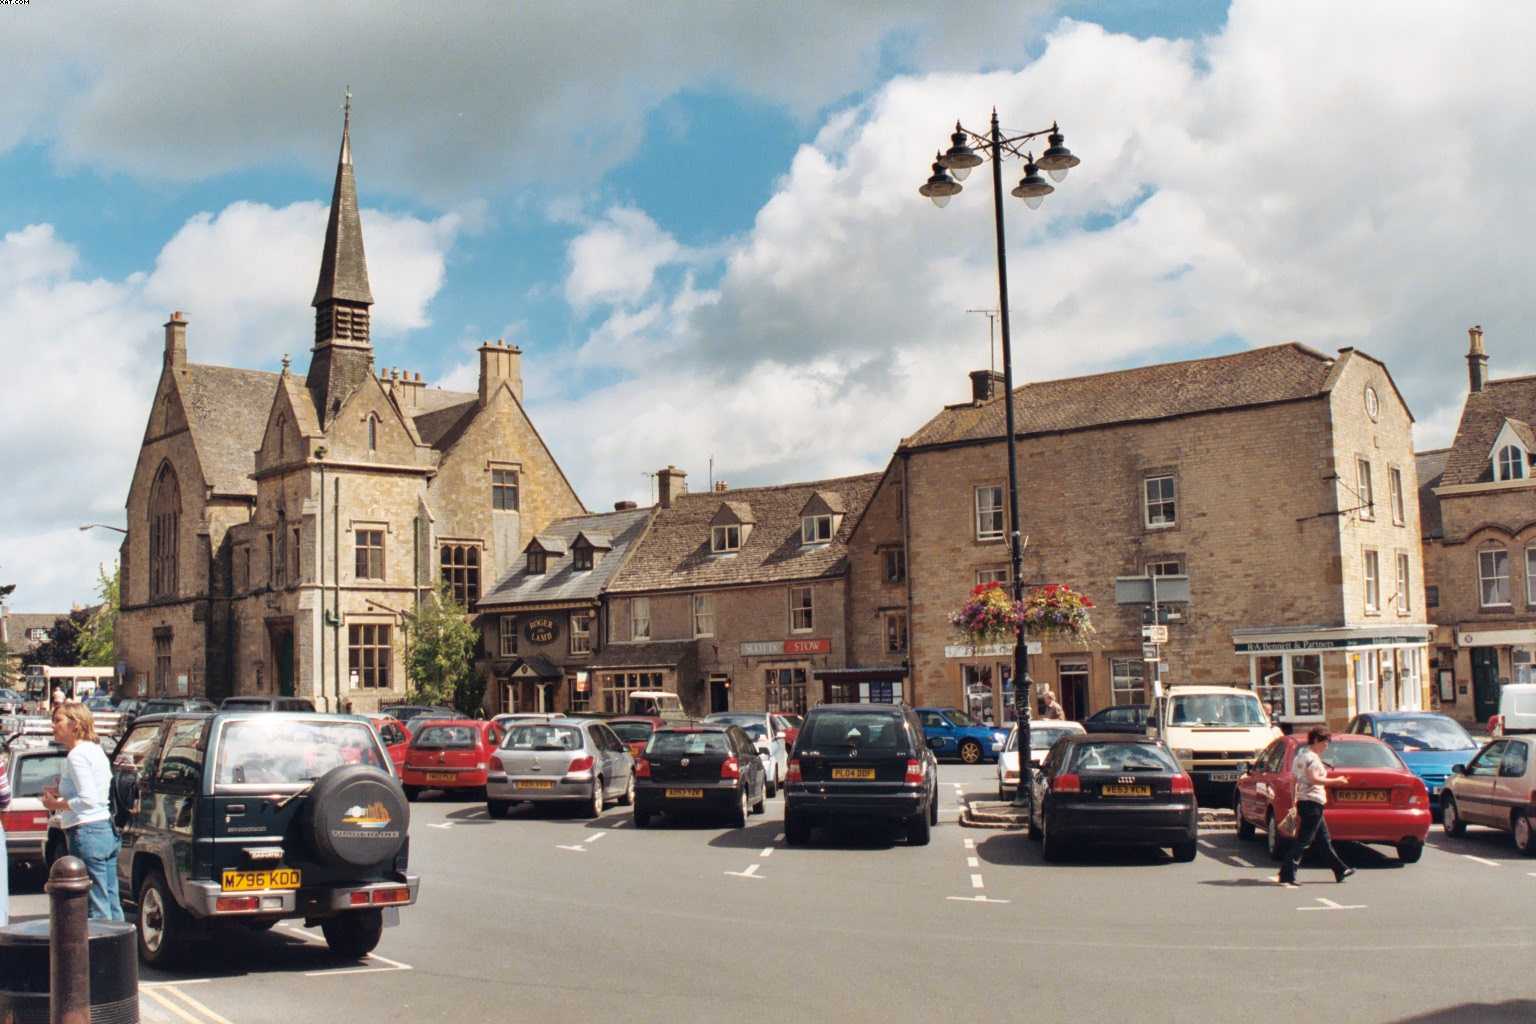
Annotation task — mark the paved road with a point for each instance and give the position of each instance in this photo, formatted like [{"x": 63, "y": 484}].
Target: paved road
[{"x": 548, "y": 917}]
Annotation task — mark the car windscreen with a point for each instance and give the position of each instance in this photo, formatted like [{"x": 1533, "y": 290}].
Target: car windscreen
[
  {"x": 35, "y": 771},
  {"x": 1121, "y": 757},
  {"x": 959, "y": 717},
  {"x": 237, "y": 703},
  {"x": 446, "y": 737},
  {"x": 278, "y": 750},
  {"x": 633, "y": 732},
  {"x": 741, "y": 720},
  {"x": 1216, "y": 709},
  {"x": 1360, "y": 755},
  {"x": 542, "y": 737},
  {"x": 686, "y": 744},
  {"x": 846, "y": 730},
  {"x": 1415, "y": 734},
  {"x": 1040, "y": 737}
]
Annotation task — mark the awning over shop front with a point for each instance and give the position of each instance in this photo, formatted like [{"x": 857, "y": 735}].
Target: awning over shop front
[
  {"x": 1281, "y": 639},
  {"x": 869, "y": 674},
  {"x": 681, "y": 655}
]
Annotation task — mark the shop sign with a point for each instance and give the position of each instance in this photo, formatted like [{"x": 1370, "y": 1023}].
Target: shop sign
[
  {"x": 988, "y": 650},
  {"x": 771, "y": 648},
  {"x": 1495, "y": 637},
  {"x": 1325, "y": 644},
  {"x": 541, "y": 629}
]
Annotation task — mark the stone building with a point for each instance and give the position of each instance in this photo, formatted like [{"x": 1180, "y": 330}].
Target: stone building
[
  {"x": 1478, "y": 500},
  {"x": 282, "y": 529},
  {"x": 1275, "y": 481},
  {"x": 737, "y": 598},
  {"x": 545, "y": 620}
]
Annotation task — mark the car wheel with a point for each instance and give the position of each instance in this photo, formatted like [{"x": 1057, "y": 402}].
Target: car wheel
[
  {"x": 497, "y": 808},
  {"x": 797, "y": 831},
  {"x": 628, "y": 796},
  {"x": 412, "y": 793},
  {"x": 1032, "y": 830},
  {"x": 1002, "y": 794},
  {"x": 163, "y": 926},
  {"x": 933, "y": 807},
  {"x": 738, "y": 816},
  {"x": 643, "y": 815},
  {"x": 1272, "y": 835},
  {"x": 919, "y": 832},
  {"x": 1184, "y": 852},
  {"x": 1051, "y": 846},
  {"x": 355, "y": 934},
  {"x": 594, "y": 807},
  {"x": 1409, "y": 851},
  {"x": 1525, "y": 842},
  {"x": 1245, "y": 829},
  {"x": 1450, "y": 820},
  {"x": 761, "y": 806},
  {"x": 772, "y": 785},
  {"x": 970, "y": 752}
]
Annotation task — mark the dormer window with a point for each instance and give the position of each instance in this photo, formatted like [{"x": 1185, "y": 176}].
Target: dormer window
[
  {"x": 821, "y": 517},
  {"x": 815, "y": 529},
  {"x": 730, "y": 527},
  {"x": 1511, "y": 463},
  {"x": 538, "y": 563},
  {"x": 725, "y": 538},
  {"x": 581, "y": 557}
]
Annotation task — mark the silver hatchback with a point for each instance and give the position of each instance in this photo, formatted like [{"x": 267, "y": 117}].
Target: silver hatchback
[{"x": 572, "y": 761}]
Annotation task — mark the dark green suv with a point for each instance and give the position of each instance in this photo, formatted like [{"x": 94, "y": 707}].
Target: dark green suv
[{"x": 244, "y": 819}]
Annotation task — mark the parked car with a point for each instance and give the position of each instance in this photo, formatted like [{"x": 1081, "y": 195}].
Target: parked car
[
  {"x": 168, "y": 705},
  {"x": 1108, "y": 788},
  {"x": 861, "y": 762},
  {"x": 267, "y": 704},
  {"x": 710, "y": 768},
  {"x": 1214, "y": 731},
  {"x": 507, "y": 720},
  {"x": 395, "y": 739},
  {"x": 1429, "y": 744},
  {"x": 950, "y": 732},
  {"x": 408, "y": 714},
  {"x": 1517, "y": 710},
  {"x": 1384, "y": 802},
  {"x": 1494, "y": 789},
  {"x": 661, "y": 703},
  {"x": 635, "y": 730},
  {"x": 1042, "y": 735},
  {"x": 572, "y": 761},
  {"x": 1122, "y": 718},
  {"x": 26, "y": 820},
  {"x": 449, "y": 754},
  {"x": 763, "y": 728},
  {"x": 790, "y": 724},
  {"x": 314, "y": 827},
  {"x": 11, "y": 702}
]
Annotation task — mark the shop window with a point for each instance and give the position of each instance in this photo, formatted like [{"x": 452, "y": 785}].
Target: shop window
[
  {"x": 581, "y": 692},
  {"x": 989, "y": 512},
  {"x": 1493, "y": 577},
  {"x": 1161, "y": 504},
  {"x": 617, "y": 686},
  {"x": 1128, "y": 681},
  {"x": 784, "y": 689},
  {"x": 1291, "y": 684},
  {"x": 801, "y": 610},
  {"x": 508, "y": 636},
  {"x": 368, "y": 654}
]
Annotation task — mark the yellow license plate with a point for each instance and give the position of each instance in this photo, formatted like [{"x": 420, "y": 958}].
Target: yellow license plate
[
  {"x": 685, "y": 794},
  {"x": 1117, "y": 789},
  {"x": 441, "y": 777},
  {"x": 853, "y": 773},
  {"x": 272, "y": 878},
  {"x": 535, "y": 784},
  {"x": 1363, "y": 796}
]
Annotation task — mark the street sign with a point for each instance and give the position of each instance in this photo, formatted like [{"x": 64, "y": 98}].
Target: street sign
[
  {"x": 1155, "y": 634},
  {"x": 1149, "y": 652}
]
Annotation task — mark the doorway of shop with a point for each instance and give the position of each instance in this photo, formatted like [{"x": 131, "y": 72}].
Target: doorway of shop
[
  {"x": 719, "y": 695},
  {"x": 1485, "y": 682},
  {"x": 1072, "y": 689}
]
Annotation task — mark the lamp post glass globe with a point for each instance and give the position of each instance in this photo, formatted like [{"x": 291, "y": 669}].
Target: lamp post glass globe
[
  {"x": 939, "y": 187},
  {"x": 1057, "y": 160},
  {"x": 1032, "y": 188},
  {"x": 961, "y": 157}
]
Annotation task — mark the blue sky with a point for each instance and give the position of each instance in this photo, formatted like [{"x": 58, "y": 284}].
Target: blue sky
[{"x": 701, "y": 224}]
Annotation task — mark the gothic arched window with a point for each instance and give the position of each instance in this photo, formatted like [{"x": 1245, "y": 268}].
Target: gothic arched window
[
  {"x": 164, "y": 532},
  {"x": 373, "y": 433}
]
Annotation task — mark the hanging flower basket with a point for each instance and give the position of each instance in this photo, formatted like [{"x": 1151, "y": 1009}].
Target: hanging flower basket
[{"x": 990, "y": 616}]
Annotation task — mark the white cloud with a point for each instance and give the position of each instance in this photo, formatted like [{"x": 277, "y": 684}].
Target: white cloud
[{"x": 616, "y": 259}]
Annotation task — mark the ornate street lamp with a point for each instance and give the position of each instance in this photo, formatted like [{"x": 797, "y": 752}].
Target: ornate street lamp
[{"x": 959, "y": 160}]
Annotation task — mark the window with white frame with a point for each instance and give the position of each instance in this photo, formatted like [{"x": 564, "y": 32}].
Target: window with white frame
[
  {"x": 801, "y": 613},
  {"x": 815, "y": 529},
  {"x": 1291, "y": 684},
  {"x": 994, "y": 574},
  {"x": 1372, "y": 581},
  {"x": 989, "y": 512},
  {"x": 1363, "y": 489},
  {"x": 1493, "y": 577},
  {"x": 725, "y": 538},
  {"x": 703, "y": 615},
  {"x": 581, "y": 632},
  {"x": 639, "y": 618},
  {"x": 1395, "y": 486},
  {"x": 1165, "y": 567},
  {"x": 1128, "y": 680},
  {"x": 1160, "y": 502},
  {"x": 508, "y": 627},
  {"x": 1403, "y": 604},
  {"x": 1511, "y": 463}
]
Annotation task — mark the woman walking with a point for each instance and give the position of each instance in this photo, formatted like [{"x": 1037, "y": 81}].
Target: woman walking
[
  {"x": 1312, "y": 785},
  {"x": 83, "y": 803}
]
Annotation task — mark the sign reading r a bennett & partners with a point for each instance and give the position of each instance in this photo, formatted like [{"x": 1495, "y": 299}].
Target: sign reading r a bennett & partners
[{"x": 771, "y": 648}]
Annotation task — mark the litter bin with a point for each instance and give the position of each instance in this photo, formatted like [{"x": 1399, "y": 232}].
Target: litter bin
[{"x": 114, "y": 973}]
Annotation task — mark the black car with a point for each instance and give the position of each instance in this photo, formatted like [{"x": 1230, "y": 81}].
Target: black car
[
  {"x": 1130, "y": 719},
  {"x": 1104, "y": 788},
  {"x": 267, "y": 704},
  {"x": 167, "y": 705},
  {"x": 861, "y": 762},
  {"x": 709, "y": 768},
  {"x": 242, "y": 819}
]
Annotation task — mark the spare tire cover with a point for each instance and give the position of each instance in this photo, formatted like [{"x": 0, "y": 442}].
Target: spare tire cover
[{"x": 357, "y": 817}]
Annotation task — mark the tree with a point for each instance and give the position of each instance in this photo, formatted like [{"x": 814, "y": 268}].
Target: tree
[
  {"x": 8, "y": 676},
  {"x": 62, "y": 648},
  {"x": 97, "y": 644},
  {"x": 441, "y": 658}
]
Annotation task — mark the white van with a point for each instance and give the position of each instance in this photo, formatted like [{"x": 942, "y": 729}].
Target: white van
[
  {"x": 1212, "y": 730},
  {"x": 659, "y": 703},
  {"x": 1517, "y": 710}
]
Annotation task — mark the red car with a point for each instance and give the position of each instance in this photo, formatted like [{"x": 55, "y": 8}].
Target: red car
[
  {"x": 635, "y": 730},
  {"x": 789, "y": 725},
  {"x": 1383, "y": 803},
  {"x": 449, "y": 754},
  {"x": 395, "y": 738}
]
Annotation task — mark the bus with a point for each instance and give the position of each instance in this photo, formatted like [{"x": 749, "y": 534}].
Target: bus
[{"x": 78, "y": 682}]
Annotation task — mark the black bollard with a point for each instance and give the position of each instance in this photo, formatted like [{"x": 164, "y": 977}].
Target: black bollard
[{"x": 69, "y": 970}]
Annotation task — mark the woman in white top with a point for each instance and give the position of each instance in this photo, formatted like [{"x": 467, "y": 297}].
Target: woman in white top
[
  {"x": 83, "y": 804},
  {"x": 1312, "y": 783}
]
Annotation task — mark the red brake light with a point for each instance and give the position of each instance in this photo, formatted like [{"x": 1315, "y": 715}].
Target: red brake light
[
  {"x": 916, "y": 771},
  {"x": 580, "y": 764},
  {"x": 228, "y": 904},
  {"x": 730, "y": 768},
  {"x": 642, "y": 768},
  {"x": 401, "y": 894},
  {"x": 792, "y": 774},
  {"x": 1183, "y": 784},
  {"x": 1068, "y": 783}
]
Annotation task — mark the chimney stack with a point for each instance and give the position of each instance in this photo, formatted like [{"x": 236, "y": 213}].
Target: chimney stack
[
  {"x": 670, "y": 483},
  {"x": 500, "y": 363},
  {"x": 624, "y": 506},
  {"x": 176, "y": 340},
  {"x": 1477, "y": 359},
  {"x": 986, "y": 385},
  {"x": 721, "y": 486}
]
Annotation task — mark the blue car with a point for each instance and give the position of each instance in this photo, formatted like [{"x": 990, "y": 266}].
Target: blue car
[
  {"x": 1428, "y": 743},
  {"x": 950, "y": 732}
]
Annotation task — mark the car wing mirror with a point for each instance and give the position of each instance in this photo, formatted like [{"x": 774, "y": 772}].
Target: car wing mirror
[{"x": 1458, "y": 769}]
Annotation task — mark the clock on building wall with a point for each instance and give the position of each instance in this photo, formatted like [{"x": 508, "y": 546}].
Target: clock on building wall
[
  {"x": 541, "y": 629},
  {"x": 1372, "y": 403}
]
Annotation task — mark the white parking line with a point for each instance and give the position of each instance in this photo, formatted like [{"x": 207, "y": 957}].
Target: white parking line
[
  {"x": 767, "y": 852},
  {"x": 779, "y": 838},
  {"x": 975, "y": 899},
  {"x": 751, "y": 872},
  {"x": 1240, "y": 862},
  {"x": 199, "y": 1007},
  {"x": 1483, "y": 860},
  {"x": 1206, "y": 843},
  {"x": 1328, "y": 904},
  {"x": 970, "y": 844},
  {"x": 973, "y": 862},
  {"x": 976, "y": 882},
  {"x": 172, "y": 1007}
]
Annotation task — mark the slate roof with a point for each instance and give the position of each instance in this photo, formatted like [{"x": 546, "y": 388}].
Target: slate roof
[
  {"x": 446, "y": 415},
  {"x": 16, "y": 624},
  {"x": 561, "y": 582},
  {"x": 1431, "y": 467},
  {"x": 675, "y": 554},
  {"x": 1482, "y": 417},
  {"x": 1261, "y": 376},
  {"x": 227, "y": 412}
]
